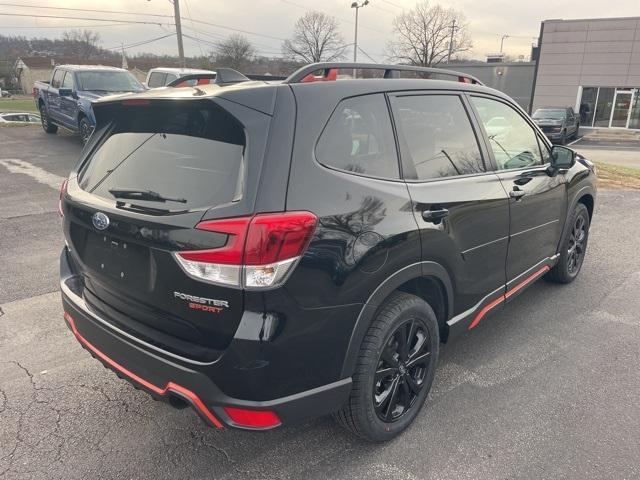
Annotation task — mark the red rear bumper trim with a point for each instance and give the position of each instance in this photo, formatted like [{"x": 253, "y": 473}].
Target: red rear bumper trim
[{"x": 169, "y": 387}]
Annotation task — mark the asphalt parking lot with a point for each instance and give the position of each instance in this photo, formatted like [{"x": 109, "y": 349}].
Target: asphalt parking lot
[{"x": 548, "y": 387}]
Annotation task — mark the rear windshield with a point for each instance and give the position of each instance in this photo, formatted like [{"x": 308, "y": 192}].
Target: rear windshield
[
  {"x": 193, "y": 157},
  {"x": 549, "y": 113},
  {"x": 108, "y": 81}
]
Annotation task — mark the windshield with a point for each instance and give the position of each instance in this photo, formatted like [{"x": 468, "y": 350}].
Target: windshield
[
  {"x": 184, "y": 157},
  {"x": 556, "y": 114},
  {"x": 108, "y": 81}
]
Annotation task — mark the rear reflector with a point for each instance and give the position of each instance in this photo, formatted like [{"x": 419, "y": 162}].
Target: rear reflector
[
  {"x": 259, "y": 253},
  {"x": 252, "y": 418}
]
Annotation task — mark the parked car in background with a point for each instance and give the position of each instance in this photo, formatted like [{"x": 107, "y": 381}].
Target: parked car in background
[
  {"x": 65, "y": 101},
  {"x": 19, "y": 117},
  {"x": 160, "y": 77},
  {"x": 558, "y": 124},
  {"x": 271, "y": 252}
]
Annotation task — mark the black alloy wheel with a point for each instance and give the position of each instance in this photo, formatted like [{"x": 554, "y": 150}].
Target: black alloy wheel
[
  {"x": 575, "y": 252},
  {"x": 394, "y": 369},
  {"x": 401, "y": 370}
]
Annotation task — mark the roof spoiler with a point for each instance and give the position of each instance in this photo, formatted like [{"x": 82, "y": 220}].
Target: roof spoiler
[
  {"x": 222, "y": 76},
  {"x": 328, "y": 72}
]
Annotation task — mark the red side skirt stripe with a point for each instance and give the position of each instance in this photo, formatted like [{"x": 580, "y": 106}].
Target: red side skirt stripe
[
  {"x": 169, "y": 387},
  {"x": 512, "y": 291}
]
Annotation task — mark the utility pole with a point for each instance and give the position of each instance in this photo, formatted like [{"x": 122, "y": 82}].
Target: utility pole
[
  {"x": 453, "y": 31},
  {"x": 176, "y": 13},
  {"x": 357, "y": 6}
]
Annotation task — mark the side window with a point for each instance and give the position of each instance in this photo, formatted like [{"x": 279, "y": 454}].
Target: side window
[
  {"x": 68, "y": 81},
  {"x": 358, "y": 138},
  {"x": 156, "y": 79},
  {"x": 170, "y": 78},
  {"x": 513, "y": 141},
  {"x": 56, "y": 81},
  {"x": 436, "y": 137}
]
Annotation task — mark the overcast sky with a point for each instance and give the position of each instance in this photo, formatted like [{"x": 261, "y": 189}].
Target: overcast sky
[{"x": 271, "y": 20}]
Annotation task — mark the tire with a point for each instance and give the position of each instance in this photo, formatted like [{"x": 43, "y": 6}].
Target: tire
[
  {"x": 47, "y": 126},
  {"x": 85, "y": 129},
  {"x": 575, "y": 134},
  {"x": 572, "y": 252},
  {"x": 563, "y": 139},
  {"x": 401, "y": 315}
]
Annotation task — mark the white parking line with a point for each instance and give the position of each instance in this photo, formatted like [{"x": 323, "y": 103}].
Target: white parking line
[
  {"x": 15, "y": 165},
  {"x": 575, "y": 141}
]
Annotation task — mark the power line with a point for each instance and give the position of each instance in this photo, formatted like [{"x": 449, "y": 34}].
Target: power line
[
  {"x": 69, "y": 26},
  {"x": 339, "y": 18},
  {"x": 139, "y": 22},
  {"x": 393, "y": 4},
  {"x": 120, "y": 12},
  {"x": 140, "y": 43},
  {"x": 186, "y": 3},
  {"x": 84, "y": 10}
]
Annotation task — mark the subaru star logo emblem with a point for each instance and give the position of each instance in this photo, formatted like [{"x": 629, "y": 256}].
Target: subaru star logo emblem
[{"x": 100, "y": 220}]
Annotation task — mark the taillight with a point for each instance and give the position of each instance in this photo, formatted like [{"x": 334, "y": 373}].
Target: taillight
[
  {"x": 63, "y": 189},
  {"x": 259, "y": 253}
]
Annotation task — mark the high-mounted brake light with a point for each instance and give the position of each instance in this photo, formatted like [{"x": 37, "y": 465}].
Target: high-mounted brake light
[
  {"x": 462, "y": 79},
  {"x": 135, "y": 101},
  {"x": 63, "y": 189},
  {"x": 259, "y": 253}
]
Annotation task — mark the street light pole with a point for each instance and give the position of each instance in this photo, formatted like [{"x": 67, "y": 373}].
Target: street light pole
[
  {"x": 357, "y": 6},
  {"x": 502, "y": 41},
  {"x": 176, "y": 14}
]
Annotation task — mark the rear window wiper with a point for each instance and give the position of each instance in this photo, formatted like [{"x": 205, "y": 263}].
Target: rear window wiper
[{"x": 148, "y": 195}]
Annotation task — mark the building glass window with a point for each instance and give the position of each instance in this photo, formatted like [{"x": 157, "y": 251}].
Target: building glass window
[
  {"x": 634, "y": 119},
  {"x": 588, "y": 105},
  {"x": 604, "y": 106}
]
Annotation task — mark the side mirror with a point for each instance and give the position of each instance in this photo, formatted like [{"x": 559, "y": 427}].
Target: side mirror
[
  {"x": 562, "y": 158},
  {"x": 65, "y": 92}
]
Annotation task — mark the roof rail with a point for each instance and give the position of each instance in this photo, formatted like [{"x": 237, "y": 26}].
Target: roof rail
[{"x": 328, "y": 72}]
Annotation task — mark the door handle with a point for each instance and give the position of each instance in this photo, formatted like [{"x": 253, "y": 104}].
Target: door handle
[
  {"x": 435, "y": 216},
  {"x": 517, "y": 193}
]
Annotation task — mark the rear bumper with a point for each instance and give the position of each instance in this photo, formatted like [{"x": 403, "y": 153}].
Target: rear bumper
[{"x": 169, "y": 378}]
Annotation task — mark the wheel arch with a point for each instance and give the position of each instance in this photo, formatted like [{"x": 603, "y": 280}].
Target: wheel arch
[
  {"x": 588, "y": 201},
  {"x": 586, "y": 196},
  {"x": 427, "y": 280}
]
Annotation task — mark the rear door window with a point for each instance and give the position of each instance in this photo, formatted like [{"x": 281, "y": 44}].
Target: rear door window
[
  {"x": 191, "y": 156},
  {"x": 436, "y": 137},
  {"x": 56, "y": 81},
  {"x": 156, "y": 79},
  {"x": 359, "y": 138}
]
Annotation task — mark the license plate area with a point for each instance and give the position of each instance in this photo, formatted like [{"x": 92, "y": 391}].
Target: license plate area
[{"x": 117, "y": 259}]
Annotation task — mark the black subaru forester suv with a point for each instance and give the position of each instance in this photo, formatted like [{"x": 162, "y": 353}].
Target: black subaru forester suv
[{"x": 269, "y": 252}]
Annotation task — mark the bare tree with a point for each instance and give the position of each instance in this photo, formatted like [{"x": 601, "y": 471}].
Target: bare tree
[
  {"x": 82, "y": 43},
  {"x": 423, "y": 35},
  {"x": 234, "y": 52},
  {"x": 315, "y": 39}
]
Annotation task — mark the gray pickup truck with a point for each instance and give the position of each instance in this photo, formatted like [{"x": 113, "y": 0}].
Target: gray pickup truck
[
  {"x": 65, "y": 101},
  {"x": 558, "y": 123}
]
